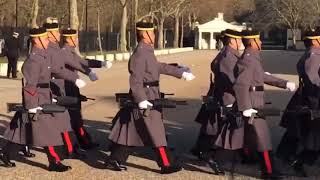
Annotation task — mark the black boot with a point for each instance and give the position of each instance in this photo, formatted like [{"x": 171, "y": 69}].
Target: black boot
[
  {"x": 268, "y": 167},
  {"x": 114, "y": 165},
  {"x": 214, "y": 165},
  {"x": 298, "y": 167},
  {"x": 6, "y": 161},
  {"x": 86, "y": 141},
  {"x": 170, "y": 169},
  {"x": 58, "y": 167},
  {"x": 26, "y": 152},
  {"x": 273, "y": 175},
  {"x": 77, "y": 154}
]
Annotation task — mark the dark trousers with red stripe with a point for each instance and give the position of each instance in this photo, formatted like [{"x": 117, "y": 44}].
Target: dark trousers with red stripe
[
  {"x": 53, "y": 154},
  {"x": 121, "y": 153},
  {"x": 77, "y": 125},
  {"x": 69, "y": 142}
]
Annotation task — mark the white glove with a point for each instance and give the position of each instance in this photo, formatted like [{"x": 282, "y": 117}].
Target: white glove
[
  {"x": 80, "y": 83},
  {"x": 188, "y": 76},
  {"x": 107, "y": 64},
  {"x": 34, "y": 110},
  {"x": 93, "y": 76},
  {"x": 54, "y": 100},
  {"x": 267, "y": 73},
  {"x": 144, "y": 104},
  {"x": 291, "y": 86},
  {"x": 249, "y": 112},
  {"x": 229, "y": 106}
]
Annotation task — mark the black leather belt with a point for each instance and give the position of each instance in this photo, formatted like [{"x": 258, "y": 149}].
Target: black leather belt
[
  {"x": 43, "y": 85},
  {"x": 151, "y": 84},
  {"x": 256, "y": 88}
]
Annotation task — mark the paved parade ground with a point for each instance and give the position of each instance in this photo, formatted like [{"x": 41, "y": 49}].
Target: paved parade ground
[{"x": 180, "y": 125}]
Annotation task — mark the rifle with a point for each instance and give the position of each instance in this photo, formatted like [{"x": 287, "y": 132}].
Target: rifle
[
  {"x": 120, "y": 96},
  {"x": 157, "y": 104},
  {"x": 47, "y": 108},
  {"x": 71, "y": 101}
]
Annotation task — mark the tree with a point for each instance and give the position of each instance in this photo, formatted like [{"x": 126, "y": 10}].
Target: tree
[
  {"x": 34, "y": 13},
  {"x": 123, "y": 25},
  {"x": 290, "y": 13},
  {"x": 165, "y": 8},
  {"x": 179, "y": 9}
]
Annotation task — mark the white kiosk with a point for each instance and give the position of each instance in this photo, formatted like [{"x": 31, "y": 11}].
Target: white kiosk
[{"x": 205, "y": 37}]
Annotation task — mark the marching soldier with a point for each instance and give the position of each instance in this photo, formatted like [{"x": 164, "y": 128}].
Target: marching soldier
[
  {"x": 61, "y": 58},
  {"x": 132, "y": 128},
  {"x": 249, "y": 93},
  {"x": 36, "y": 128},
  {"x": 213, "y": 127},
  {"x": 302, "y": 130},
  {"x": 70, "y": 42}
]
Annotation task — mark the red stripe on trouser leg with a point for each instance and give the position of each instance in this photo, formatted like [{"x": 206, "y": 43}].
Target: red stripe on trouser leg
[
  {"x": 267, "y": 161},
  {"x": 53, "y": 153},
  {"x": 163, "y": 156},
  {"x": 81, "y": 130},
  {"x": 68, "y": 141}
]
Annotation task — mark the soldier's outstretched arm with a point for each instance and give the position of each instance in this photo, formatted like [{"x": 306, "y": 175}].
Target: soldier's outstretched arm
[
  {"x": 242, "y": 84},
  {"x": 137, "y": 68},
  {"x": 274, "y": 81},
  {"x": 72, "y": 61},
  {"x": 66, "y": 74},
  {"x": 170, "y": 70}
]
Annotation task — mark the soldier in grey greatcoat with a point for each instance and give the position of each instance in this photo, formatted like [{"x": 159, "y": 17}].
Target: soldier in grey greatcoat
[
  {"x": 249, "y": 93},
  {"x": 301, "y": 142},
  {"x": 70, "y": 42},
  {"x": 218, "y": 130},
  {"x": 132, "y": 128},
  {"x": 41, "y": 130}
]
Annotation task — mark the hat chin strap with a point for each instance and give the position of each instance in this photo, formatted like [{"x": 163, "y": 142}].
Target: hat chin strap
[
  {"x": 237, "y": 44},
  {"x": 149, "y": 37},
  {"x": 259, "y": 48},
  {"x": 318, "y": 42},
  {"x": 73, "y": 42},
  {"x": 54, "y": 37},
  {"x": 41, "y": 43}
]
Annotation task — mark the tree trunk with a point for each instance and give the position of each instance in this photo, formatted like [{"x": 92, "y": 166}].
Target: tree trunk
[
  {"x": 112, "y": 16},
  {"x": 160, "y": 33},
  {"x": 123, "y": 26},
  {"x": 182, "y": 31},
  {"x": 176, "y": 31},
  {"x": 99, "y": 32},
  {"x": 294, "y": 39},
  {"x": 136, "y": 5},
  {"x": 82, "y": 17},
  {"x": 34, "y": 13},
  {"x": 74, "y": 19}
]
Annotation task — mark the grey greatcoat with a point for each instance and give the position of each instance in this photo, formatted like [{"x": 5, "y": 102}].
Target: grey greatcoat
[
  {"x": 45, "y": 130},
  {"x": 75, "y": 63},
  {"x": 301, "y": 126},
  {"x": 130, "y": 127},
  {"x": 228, "y": 136},
  {"x": 250, "y": 75},
  {"x": 60, "y": 58}
]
